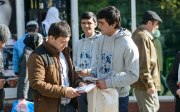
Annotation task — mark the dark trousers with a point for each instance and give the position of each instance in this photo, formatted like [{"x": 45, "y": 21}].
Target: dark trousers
[
  {"x": 123, "y": 104},
  {"x": 82, "y": 103},
  {"x": 177, "y": 106},
  {"x": 68, "y": 107},
  {"x": 2, "y": 95}
]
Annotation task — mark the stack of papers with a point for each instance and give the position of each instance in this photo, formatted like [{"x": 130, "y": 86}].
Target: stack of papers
[
  {"x": 86, "y": 88},
  {"x": 90, "y": 79}
]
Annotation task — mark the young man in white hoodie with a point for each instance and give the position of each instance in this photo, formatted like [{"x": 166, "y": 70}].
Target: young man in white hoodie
[
  {"x": 116, "y": 64},
  {"x": 82, "y": 56}
]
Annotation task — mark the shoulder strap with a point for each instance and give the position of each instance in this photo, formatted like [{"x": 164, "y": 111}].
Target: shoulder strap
[{"x": 43, "y": 31}]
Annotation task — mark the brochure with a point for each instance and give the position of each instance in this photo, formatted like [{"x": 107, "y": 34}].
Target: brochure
[
  {"x": 86, "y": 88},
  {"x": 77, "y": 69},
  {"x": 90, "y": 79},
  {"x": 9, "y": 78}
]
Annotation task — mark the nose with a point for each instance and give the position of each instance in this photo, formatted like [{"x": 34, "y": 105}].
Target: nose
[
  {"x": 66, "y": 45},
  {"x": 86, "y": 25},
  {"x": 3, "y": 45},
  {"x": 157, "y": 27}
]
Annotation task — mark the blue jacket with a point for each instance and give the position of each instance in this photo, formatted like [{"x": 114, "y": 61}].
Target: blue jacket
[{"x": 17, "y": 52}]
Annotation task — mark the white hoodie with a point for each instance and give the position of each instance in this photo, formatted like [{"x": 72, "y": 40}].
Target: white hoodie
[
  {"x": 52, "y": 16},
  {"x": 116, "y": 61},
  {"x": 82, "y": 55}
]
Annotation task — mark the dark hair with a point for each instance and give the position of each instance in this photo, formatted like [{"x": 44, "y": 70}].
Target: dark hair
[
  {"x": 89, "y": 15},
  {"x": 58, "y": 29},
  {"x": 144, "y": 22},
  {"x": 33, "y": 40},
  {"x": 31, "y": 28},
  {"x": 111, "y": 14}
]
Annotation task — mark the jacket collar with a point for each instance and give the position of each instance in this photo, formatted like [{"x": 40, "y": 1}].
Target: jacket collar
[
  {"x": 97, "y": 33},
  {"x": 51, "y": 49},
  {"x": 143, "y": 29}
]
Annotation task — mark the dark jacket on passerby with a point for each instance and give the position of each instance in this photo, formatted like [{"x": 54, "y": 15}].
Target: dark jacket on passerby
[
  {"x": 149, "y": 73},
  {"x": 31, "y": 41},
  {"x": 44, "y": 66},
  {"x": 172, "y": 80}
]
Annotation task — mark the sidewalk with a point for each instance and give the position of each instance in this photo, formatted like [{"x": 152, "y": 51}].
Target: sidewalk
[{"x": 166, "y": 105}]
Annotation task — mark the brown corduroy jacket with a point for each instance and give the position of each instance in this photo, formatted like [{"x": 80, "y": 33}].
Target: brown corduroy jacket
[
  {"x": 45, "y": 77},
  {"x": 149, "y": 71}
]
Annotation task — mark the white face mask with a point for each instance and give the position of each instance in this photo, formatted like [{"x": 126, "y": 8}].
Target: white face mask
[
  {"x": 156, "y": 34},
  {"x": 5, "y": 12}
]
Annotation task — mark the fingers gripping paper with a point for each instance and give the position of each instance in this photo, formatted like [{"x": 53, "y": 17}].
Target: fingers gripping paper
[{"x": 103, "y": 100}]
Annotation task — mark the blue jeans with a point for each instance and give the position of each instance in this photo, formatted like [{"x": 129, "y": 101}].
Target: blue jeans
[
  {"x": 2, "y": 95},
  {"x": 82, "y": 103},
  {"x": 123, "y": 104}
]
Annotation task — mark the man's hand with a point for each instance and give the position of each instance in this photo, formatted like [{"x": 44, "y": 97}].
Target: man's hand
[
  {"x": 2, "y": 81},
  {"x": 71, "y": 93},
  {"x": 178, "y": 92},
  {"x": 82, "y": 73},
  {"x": 12, "y": 83},
  {"x": 101, "y": 84},
  {"x": 82, "y": 84},
  {"x": 151, "y": 90}
]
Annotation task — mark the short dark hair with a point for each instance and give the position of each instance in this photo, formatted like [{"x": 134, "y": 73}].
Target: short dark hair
[
  {"x": 89, "y": 15},
  {"x": 58, "y": 29},
  {"x": 31, "y": 28},
  {"x": 111, "y": 14},
  {"x": 144, "y": 22}
]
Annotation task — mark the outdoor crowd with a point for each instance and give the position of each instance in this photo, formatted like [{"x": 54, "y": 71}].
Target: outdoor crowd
[{"x": 48, "y": 71}]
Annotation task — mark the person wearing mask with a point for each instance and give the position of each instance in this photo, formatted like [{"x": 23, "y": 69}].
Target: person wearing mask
[
  {"x": 159, "y": 50},
  {"x": 116, "y": 64},
  {"x": 50, "y": 72},
  {"x": 147, "y": 87},
  {"x": 82, "y": 55},
  {"x": 52, "y": 16},
  {"x": 23, "y": 91}
]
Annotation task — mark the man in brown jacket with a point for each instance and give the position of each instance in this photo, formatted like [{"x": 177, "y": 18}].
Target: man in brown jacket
[
  {"x": 149, "y": 78},
  {"x": 51, "y": 72}
]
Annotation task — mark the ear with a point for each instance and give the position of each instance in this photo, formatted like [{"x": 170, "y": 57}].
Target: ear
[
  {"x": 149, "y": 22},
  {"x": 51, "y": 37},
  {"x": 96, "y": 24},
  {"x": 113, "y": 25}
]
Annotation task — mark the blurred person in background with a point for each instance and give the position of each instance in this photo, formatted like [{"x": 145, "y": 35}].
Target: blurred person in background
[
  {"x": 52, "y": 16},
  {"x": 31, "y": 26},
  {"x": 173, "y": 81},
  {"x": 4, "y": 36},
  {"x": 24, "y": 92}
]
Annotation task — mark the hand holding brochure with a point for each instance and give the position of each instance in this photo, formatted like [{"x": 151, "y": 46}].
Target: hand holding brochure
[
  {"x": 10, "y": 81},
  {"x": 85, "y": 88},
  {"x": 77, "y": 69},
  {"x": 90, "y": 79}
]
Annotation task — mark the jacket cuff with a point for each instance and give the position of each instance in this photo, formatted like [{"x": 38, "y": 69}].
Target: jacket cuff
[{"x": 149, "y": 85}]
